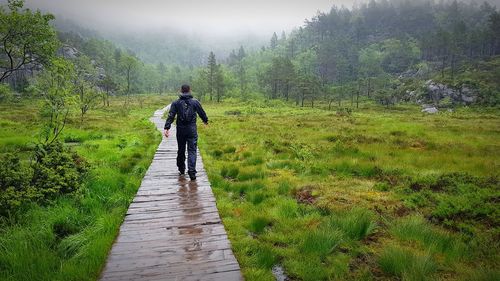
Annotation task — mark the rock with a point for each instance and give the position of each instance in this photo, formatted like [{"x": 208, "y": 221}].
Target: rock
[
  {"x": 410, "y": 73},
  {"x": 101, "y": 72},
  {"x": 436, "y": 92},
  {"x": 430, "y": 110},
  {"x": 68, "y": 52},
  {"x": 468, "y": 95},
  {"x": 279, "y": 273}
]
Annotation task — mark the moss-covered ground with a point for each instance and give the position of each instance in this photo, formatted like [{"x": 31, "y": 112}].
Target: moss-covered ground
[{"x": 379, "y": 194}]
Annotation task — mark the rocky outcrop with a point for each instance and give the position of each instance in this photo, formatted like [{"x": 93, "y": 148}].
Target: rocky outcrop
[
  {"x": 68, "y": 52},
  {"x": 436, "y": 92}
]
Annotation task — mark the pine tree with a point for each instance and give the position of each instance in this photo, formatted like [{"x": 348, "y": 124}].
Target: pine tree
[
  {"x": 283, "y": 37},
  {"x": 274, "y": 41},
  {"x": 241, "y": 72},
  {"x": 241, "y": 53},
  {"x": 211, "y": 74},
  {"x": 219, "y": 82}
]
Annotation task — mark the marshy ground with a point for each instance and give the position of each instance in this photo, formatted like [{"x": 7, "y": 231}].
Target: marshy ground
[
  {"x": 379, "y": 194},
  {"x": 376, "y": 194}
]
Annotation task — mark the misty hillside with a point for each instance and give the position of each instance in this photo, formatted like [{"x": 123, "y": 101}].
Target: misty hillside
[{"x": 170, "y": 47}]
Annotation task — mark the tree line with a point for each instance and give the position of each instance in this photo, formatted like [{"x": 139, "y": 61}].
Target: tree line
[{"x": 362, "y": 53}]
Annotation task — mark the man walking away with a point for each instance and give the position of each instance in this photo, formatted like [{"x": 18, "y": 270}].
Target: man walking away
[{"x": 186, "y": 108}]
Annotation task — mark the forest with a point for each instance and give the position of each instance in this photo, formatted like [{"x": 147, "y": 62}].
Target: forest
[{"x": 360, "y": 145}]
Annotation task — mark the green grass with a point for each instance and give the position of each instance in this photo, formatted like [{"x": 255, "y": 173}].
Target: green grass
[
  {"x": 356, "y": 224},
  {"x": 69, "y": 239},
  {"x": 382, "y": 194},
  {"x": 331, "y": 195},
  {"x": 406, "y": 264},
  {"x": 415, "y": 229}
]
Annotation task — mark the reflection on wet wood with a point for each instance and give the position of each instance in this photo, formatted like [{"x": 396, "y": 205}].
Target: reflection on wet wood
[{"x": 172, "y": 230}]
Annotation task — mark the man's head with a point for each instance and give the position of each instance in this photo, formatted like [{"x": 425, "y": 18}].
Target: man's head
[{"x": 185, "y": 89}]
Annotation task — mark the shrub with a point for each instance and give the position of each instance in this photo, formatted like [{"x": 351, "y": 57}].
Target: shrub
[
  {"x": 456, "y": 197},
  {"x": 5, "y": 93},
  {"x": 14, "y": 183},
  {"x": 57, "y": 170}
]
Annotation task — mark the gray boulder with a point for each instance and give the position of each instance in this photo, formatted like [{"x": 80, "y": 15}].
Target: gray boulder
[
  {"x": 437, "y": 91},
  {"x": 68, "y": 52},
  {"x": 430, "y": 110},
  {"x": 468, "y": 95}
]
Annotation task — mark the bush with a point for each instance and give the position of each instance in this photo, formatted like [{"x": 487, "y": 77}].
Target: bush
[
  {"x": 57, "y": 170},
  {"x": 5, "y": 93},
  {"x": 14, "y": 183},
  {"x": 456, "y": 197}
]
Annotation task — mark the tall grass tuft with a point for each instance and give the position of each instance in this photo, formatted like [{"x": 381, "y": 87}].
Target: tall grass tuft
[
  {"x": 265, "y": 257},
  {"x": 258, "y": 224},
  {"x": 356, "y": 223},
  {"x": 415, "y": 228},
  {"x": 229, "y": 172},
  {"x": 406, "y": 264},
  {"x": 320, "y": 242}
]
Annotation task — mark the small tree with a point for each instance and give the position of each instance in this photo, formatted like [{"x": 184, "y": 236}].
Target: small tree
[
  {"x": 220, "y": 86},
  {"x": 108, "y": 85},
  {"x": 27, "y": 39},
  {"x": 129, "y": 67},
  {"x": 211, "y": 74},
  {"x": 85, "y": 85},
  {"x": 200, "y": 83},
  {"x": 56, "y": 88},
  {"x": 308, "y": 86}
]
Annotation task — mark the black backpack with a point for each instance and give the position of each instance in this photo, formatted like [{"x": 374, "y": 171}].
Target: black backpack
[{"x": 188, "y": 113}]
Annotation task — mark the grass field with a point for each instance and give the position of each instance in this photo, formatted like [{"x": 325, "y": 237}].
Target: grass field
[
  {"x": 380, "y": 194},
  {"x": 69, "y": 238}
]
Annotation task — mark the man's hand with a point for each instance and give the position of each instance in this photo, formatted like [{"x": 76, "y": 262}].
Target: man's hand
[{"x": 166, "y": 133}]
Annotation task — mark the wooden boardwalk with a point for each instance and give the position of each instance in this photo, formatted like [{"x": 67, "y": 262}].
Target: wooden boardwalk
[{"x": 172, "y": 230}]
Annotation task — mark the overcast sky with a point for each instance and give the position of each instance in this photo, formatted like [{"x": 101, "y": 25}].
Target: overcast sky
[{"x": 214, "y": 16}]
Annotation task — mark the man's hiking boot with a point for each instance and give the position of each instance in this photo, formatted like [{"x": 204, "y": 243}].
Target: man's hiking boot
[
  {"x": 192, "y": 176},
  {"x": 182, "y": 173}
]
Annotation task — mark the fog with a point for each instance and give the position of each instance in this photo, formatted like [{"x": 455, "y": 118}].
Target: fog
[
  {"x": 214, "y": 17},
  {"x": 212, "y": 25}
]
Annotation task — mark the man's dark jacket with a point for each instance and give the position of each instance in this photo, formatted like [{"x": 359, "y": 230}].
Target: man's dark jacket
[{"x": 177, "y": 108}]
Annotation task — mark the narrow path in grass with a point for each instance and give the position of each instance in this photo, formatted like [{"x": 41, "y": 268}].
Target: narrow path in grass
[{"x": 172, "y": 230}]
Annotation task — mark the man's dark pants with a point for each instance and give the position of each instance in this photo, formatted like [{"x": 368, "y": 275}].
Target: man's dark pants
[{"x": 187, "y": 135}]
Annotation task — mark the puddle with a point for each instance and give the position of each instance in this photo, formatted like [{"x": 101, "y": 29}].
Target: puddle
[
  {"x": 191, "y": 206},
  {"x": 279, "y": 273}
]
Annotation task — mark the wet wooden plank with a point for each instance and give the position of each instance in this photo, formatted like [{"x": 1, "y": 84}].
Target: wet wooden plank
[{"x": 172, "y": 230}]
